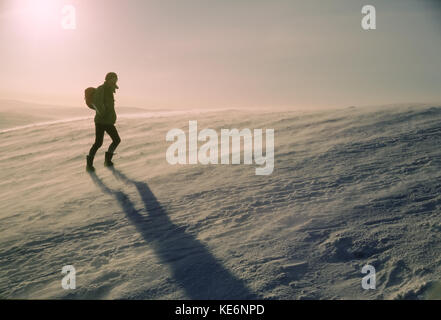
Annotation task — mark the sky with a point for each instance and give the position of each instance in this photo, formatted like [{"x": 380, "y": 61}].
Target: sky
[{"x": 222, "y": 53}]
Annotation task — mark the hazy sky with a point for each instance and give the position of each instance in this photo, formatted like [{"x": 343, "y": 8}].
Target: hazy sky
[{"x": 222, "y": 53}]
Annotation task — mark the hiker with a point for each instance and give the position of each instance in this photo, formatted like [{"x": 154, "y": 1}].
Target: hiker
[{"x": 104, "y": 104}]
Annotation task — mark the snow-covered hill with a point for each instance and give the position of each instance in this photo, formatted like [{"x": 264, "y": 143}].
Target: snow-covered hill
[{"x": 350, "y": 187}]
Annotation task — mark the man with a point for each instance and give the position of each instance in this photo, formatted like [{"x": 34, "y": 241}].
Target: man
[{"x": 105, "y": 119}]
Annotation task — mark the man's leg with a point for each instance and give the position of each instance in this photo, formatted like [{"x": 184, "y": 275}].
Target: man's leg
[
  {"x": 99, "y": 137},
  {"x": 113, "y": 133}
]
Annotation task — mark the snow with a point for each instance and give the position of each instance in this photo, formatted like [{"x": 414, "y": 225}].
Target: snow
[{"x": 350, "y": 187}]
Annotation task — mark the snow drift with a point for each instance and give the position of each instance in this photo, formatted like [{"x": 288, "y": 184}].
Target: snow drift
[{"x": 350, "y": 187}]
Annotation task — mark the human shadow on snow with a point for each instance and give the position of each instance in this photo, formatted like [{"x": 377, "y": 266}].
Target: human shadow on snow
[{"x": 191, "y": 264}]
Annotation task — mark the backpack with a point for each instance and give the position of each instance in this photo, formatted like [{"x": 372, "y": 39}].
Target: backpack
[{"x": 88, "y": 97}]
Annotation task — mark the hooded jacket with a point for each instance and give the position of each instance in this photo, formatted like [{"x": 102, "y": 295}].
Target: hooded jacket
[{"x": 105, "y": 104}]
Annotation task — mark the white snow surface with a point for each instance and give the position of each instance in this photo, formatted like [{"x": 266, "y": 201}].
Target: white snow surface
[{"x": 350, "y": 187}]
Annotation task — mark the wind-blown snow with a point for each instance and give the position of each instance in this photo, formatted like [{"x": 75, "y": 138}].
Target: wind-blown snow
[{"x": 350, "y": 187}]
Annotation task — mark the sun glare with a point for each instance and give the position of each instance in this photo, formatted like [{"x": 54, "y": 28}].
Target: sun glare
[{"x": 37, "y": 16}]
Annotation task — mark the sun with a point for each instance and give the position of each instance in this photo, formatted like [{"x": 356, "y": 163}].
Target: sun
[
  {"x": 40, "y": 11},
  {"x": 37, "y": 15}
]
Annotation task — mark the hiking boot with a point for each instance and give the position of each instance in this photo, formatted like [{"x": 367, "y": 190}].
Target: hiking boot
[
  {"x": 89, "y": 166},
  {"x": 108, "y": 159}
]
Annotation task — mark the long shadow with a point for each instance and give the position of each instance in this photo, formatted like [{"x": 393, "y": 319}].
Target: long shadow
[{"x": 192, "y": 265}]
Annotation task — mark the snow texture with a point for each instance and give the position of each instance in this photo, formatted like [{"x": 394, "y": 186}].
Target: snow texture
[{"x": 350, "y": 187}]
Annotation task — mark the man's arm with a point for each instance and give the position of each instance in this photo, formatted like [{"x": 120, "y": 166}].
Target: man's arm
[{"x": 98, "y": 101}]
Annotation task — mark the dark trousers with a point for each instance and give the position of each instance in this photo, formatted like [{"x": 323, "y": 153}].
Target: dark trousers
[{"x": 99, "y": 137}]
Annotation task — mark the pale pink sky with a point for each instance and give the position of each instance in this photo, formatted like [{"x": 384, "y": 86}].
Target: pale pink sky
[{"x": 221, "y": 53}]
